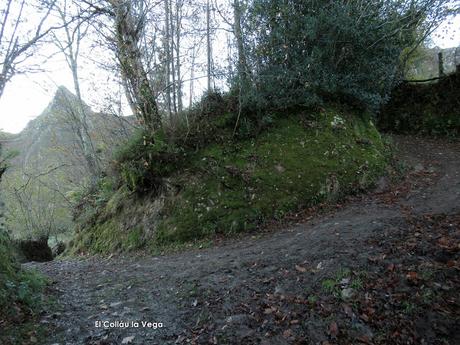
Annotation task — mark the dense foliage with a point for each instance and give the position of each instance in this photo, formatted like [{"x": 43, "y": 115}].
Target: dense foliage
[
  {"x": 274, "y": 143},
  {"x": 306, "y": 52},
  {"x": 431, "y": 108}
]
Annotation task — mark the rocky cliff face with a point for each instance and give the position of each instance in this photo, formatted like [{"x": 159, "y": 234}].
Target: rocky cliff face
[
  {"x": 49, "y": 162},
  {"x": 51, "y": 138}
]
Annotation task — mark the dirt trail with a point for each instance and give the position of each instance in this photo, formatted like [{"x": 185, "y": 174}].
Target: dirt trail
[{"x": 338, "y": 278}]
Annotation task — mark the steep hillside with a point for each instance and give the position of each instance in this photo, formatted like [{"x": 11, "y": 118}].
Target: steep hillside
[
  {"x": 231, "y": 186},
  {"x": 49, "y": 163},
  {"x": 6, "y": 136},
  {"x": 53, "y": 134}
]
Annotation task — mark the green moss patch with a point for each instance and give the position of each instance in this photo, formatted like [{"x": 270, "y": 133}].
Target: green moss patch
[{"x": 235, "y": 186}]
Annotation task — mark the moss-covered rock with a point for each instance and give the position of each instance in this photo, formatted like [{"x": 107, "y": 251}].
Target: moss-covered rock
[{"x": 236, "y": 185}]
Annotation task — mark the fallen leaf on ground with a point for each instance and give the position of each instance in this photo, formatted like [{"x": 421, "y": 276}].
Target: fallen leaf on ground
[
  {"x": 128, "y": 340},
  {"x": 333, "y": 329},
  {"x": 287, "y": 333},
  {"x": 300, "y": 268},
  {"x": 412, "y": 276}
]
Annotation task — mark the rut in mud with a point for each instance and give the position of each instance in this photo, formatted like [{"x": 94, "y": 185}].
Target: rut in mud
[{"x": 381, "y": 269}]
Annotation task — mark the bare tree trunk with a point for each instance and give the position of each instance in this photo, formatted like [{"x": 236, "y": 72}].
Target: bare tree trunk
[
  {"x": 208, "y": 44},
  {"x": 173, "y": 67},
  {"x": 131, "y": 102},
  {"x": 168, "y": 57},
  {"x": 72, "y": 53},
  {"x": 192, "y": 77},
  {"x": 440, "y": 65},
  {"x": 179, "y": 5},
  {"x": 70, "y": 47},
  {"x": 230, "y": 71},
  {"x": 243, "y": 69},
  {"x": 88, "y": 145},
  {"x": 137, "y": 82},
  {"x": 15, "y": 46}
]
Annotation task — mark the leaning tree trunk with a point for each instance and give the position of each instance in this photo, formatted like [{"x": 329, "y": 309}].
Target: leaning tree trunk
[
  {"x": 70, "y": 47},
  {"x": 138, "y": 86},
  {"x": 83, "y": 128}
]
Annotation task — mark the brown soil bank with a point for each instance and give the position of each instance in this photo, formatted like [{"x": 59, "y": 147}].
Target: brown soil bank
[{"x": 380, "y": 269}]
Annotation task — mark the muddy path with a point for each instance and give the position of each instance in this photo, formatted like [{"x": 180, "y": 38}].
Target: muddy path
[{"x": 381, "y": 269}]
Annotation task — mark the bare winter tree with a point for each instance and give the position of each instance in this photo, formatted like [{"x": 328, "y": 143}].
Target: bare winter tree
[
  {"x": 128, "y": 20},
  {"x": 172, "y": 57},
  {"x": 208, "y": 43},
  {"x": 168, "y": 52},
  {"x": 236, "y": 29},
  {"x": 19, "y": 37},
  {"x": 35, "y": 204},
  {"x": 69, "y": 46},
  {"x": 177, "y": 46},
  {"x": 173, "y": 14},
  {"x": 17, "y": 42}
]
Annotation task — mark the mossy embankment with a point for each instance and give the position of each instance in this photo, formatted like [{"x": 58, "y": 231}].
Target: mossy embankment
[
  {"x": 20, "y": 298},
  {"x": 427, "y": 108},
  {"x": 232, "y": 185}
]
